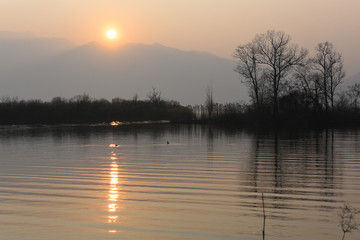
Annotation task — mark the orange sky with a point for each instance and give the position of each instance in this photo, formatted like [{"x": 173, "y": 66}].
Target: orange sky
[{"x": 204, "y": 25}]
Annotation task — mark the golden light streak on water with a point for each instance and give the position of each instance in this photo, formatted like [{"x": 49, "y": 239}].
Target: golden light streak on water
[
  {"x": 113, "y": 191},
  {"x": 113, "y": 145},
  {"x": 112, "y": 207},
  {"x": 112, "y": 219}
]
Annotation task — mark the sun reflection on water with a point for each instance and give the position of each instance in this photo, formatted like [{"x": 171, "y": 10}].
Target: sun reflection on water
[
  {"x": 115, "y": 123},
  {"x": 113, "y": 195}
]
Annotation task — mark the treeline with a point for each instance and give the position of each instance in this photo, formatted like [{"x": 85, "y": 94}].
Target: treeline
[
  {"x": 84, "y": 109},
  {"x": 294, "y": 111},
  {"x": 286, "y": 85}
]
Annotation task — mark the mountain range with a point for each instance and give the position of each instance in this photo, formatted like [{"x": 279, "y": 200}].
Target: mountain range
[{"x": 43, "y": 68}]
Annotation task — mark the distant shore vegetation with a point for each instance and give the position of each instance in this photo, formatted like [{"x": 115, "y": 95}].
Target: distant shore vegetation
[
  {"x": 83, "y": 109},
  {"x": 287, "y": 87},
  {"x": 294, "y": 111}
]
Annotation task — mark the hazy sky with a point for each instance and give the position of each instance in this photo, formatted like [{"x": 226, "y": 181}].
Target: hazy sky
[{"x": 204, "y": 25}]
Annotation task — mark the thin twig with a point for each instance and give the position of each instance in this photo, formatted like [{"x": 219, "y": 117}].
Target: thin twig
[{"x": 264, "y": 216}]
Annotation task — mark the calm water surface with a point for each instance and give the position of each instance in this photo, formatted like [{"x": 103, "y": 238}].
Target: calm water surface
[{"x": 126, "y": 182}]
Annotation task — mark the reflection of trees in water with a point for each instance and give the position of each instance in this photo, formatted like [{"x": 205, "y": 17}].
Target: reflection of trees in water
[
  {"x": 210, "y": 143},
  {"x": 289, "y": 164},
  {"x": 85, "y": 132},
  {"x": 328, "y": 180}
]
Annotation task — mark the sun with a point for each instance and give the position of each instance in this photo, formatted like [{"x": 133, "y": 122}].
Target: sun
[{"x": 111, "y": 33}]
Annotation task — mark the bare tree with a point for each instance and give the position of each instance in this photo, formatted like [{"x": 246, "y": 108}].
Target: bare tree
[
  {"x": 58, "y": 100},
  {"x": 154, "y": 96},
  {"x": 209, "y": 101},
  {"x": 337, "y": 75},
  {"x": 343, "y": 101},
  {"x": 249, "y": 68},
  {"x": 328, "y": 64},
  {"x": 354, "y": 94},
  {"x": 135, "y": 98},
  {"x": 309, "y": 83},
  {"x": 82, "y": 98},
  {"x": 347, "y": 219},
  {"x": 278, "y": 56}
]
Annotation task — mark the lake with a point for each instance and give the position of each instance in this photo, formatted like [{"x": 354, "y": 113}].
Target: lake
[{"x": 126, "y": 182}]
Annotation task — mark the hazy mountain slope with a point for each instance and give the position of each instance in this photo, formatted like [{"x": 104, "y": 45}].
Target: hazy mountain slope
[
  {"x": 123, "y": 72},
  {"x": 17, "y": 50}
]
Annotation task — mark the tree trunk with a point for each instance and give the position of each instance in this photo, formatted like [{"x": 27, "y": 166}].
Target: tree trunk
[
  {"x": 326, "y": 96},
  {"x": 275, "y": 100}
]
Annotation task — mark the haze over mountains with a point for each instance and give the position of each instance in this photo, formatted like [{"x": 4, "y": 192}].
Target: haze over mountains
[
  {"x": 40, "y": 68},
  {"x": 43, "y": 68}
]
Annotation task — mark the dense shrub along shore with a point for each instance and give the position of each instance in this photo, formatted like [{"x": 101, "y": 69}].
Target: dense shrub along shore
[
  {"x": 84, "y": 109},
  {"x": 294, "y": 111}
]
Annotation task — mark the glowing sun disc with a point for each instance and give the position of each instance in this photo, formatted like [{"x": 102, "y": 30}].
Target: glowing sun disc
[{"x": 111, "y": 33}]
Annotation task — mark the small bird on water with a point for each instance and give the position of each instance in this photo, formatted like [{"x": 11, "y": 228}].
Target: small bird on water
[{"x": 167, "y": 142}]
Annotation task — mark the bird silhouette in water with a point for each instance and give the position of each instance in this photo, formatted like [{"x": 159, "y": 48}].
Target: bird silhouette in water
[{"x": 167, "y": 142}]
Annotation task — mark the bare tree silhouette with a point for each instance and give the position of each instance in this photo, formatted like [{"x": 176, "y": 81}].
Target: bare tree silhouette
[
  {"x": 209, "y": 101},
  {"x": 249, "y": 68},
  {"x": 273, "y": 56},
  {"x": 328, "y": 64}
]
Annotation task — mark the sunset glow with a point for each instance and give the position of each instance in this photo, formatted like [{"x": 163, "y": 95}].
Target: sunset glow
[{"x": 176, "y": 120}]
